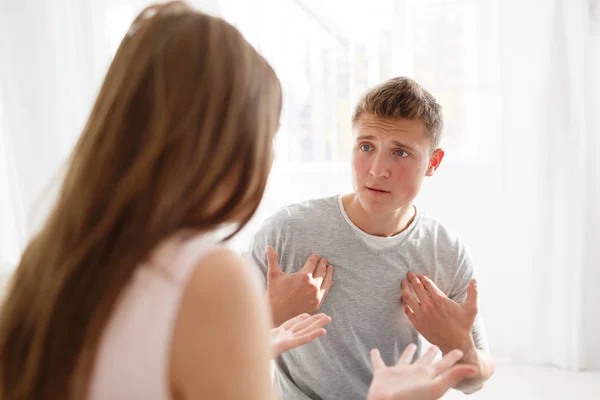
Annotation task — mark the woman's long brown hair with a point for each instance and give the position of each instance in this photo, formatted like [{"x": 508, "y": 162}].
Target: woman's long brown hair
[{"x": 180, "y": 137}]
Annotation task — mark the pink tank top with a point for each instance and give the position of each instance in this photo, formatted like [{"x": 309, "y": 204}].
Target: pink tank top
[{"x": 134, "y": 352}]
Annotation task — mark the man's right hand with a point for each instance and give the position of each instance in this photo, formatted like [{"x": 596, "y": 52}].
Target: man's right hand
[{"x": 301, "y": 292}]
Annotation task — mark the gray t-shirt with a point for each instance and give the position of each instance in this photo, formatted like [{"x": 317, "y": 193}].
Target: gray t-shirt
[{"x": 364, "y": 302}]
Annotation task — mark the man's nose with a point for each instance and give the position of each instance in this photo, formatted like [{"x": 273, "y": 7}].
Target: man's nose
[{"x": 379, "y": 166}]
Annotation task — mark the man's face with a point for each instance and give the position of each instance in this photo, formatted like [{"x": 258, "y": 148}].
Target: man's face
[{"x": 390, "y": 158}]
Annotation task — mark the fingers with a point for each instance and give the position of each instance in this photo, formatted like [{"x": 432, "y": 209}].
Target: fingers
[
  {"x": 447, "y": 362},
  {"x": 472, "y": 293},
  {"x": 313, "y": 322},
  {"x": 376, "y": 360},
  {"x": 452, "y": 378},
  {"x": 407, "y": 296},
  {"x": 431, "y": 287},
  {"x": 319, "y": 321},
  {"x": 411, "y": 315},
  {"x": 298, "y": 331},
  {"x": 311, "y": 264},
  {"x": 292, "y": 321},
  {"x": 429, "y": 356},
  {"x": 407, "y": 355},
  {"x": 418, "y": 287},
  {"x": 328, "y": 281},
  {"x": 299, "y": 340},
  {"x": 320, "y": 271},
  {"x": 273, "y": 268}
]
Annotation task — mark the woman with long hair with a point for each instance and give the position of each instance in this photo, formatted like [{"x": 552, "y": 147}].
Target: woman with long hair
[{"x": 125, "y": 293}]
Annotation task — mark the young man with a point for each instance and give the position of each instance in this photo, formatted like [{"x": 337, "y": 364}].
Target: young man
[{"x": 398, "y": 272}]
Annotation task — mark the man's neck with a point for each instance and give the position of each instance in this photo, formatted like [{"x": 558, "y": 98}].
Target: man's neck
[{"x": 385, "y": 225}]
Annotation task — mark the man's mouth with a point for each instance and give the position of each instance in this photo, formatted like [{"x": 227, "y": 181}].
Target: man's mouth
[{"x": 377, "y": 190}]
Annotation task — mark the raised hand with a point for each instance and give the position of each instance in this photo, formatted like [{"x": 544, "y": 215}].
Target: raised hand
[
  {"x": 297, "y": 331},
  {"x": 298, "y": 293},
  {"x": 423, "y": 380}
]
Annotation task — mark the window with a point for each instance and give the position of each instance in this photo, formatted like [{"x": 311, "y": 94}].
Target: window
[{"x": 326, "y": 59}]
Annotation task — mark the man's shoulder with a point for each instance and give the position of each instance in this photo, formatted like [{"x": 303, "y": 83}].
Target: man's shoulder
[
  {"x": 298, "y": 215},
  {"x": 439, "y": 233},
  {"x": 454, "y": 266},
  {"x": 302, "y": 212}
]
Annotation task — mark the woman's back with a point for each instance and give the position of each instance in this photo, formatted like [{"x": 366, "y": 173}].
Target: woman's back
[
  {"x": 133, "y": 354},
  {"x": 158, "y": 313}
]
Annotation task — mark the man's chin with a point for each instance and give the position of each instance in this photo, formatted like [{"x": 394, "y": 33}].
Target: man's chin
[{"x": 375, "y": 208}]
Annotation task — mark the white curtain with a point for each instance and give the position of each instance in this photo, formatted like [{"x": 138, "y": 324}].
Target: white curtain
[
  {"x": 41, "y": 98},
  {"x": 591, "y": 265},
  {"x": 546, "y": 265},
  {"x": 521, "y": 95},
  {"x": 53, "y": 57}
]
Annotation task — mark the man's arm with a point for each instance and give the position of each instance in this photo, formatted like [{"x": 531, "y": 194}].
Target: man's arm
[
  {"x": 478, "y": 354},
  {"x": 447, "y": 324},
  {"x": 483, "y": 362}
]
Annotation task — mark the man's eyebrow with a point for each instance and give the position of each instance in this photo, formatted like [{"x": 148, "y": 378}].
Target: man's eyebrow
[
  {"x": 394, "y": 142},
  {"x": 365, "y": 137},
  {"x": 398, "y": 144}
]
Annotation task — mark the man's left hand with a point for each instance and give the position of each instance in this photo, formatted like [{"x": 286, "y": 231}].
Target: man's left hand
[{"x": 442, "y": 321}]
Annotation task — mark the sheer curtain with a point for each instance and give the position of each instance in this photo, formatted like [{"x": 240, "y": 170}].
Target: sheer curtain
[
  {"x": 591, "y": 295},
  {"x": 520, "y": 94},
  {"x": 549, "y": 185},
  {"x": 42, "y": 94},
  {"x": 53, "y": 57}
]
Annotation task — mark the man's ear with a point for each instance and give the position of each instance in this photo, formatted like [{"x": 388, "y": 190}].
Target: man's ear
[{"x": 435, "y": 161}]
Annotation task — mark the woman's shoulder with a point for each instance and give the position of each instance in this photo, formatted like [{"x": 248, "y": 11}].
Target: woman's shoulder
[{"x": 221, "y": 330}]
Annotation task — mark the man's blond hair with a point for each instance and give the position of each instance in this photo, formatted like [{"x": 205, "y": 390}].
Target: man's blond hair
[{"x": 403, "y": 98}]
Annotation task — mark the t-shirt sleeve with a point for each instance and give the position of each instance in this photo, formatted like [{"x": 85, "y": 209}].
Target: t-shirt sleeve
[
  {"x": 270, "y": 233},
  {"x": 458, "y": 293}
]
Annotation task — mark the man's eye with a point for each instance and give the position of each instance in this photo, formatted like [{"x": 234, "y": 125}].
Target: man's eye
[
  {"x": 401, "y": 153},
  {"x": 365, "y": 147}
]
